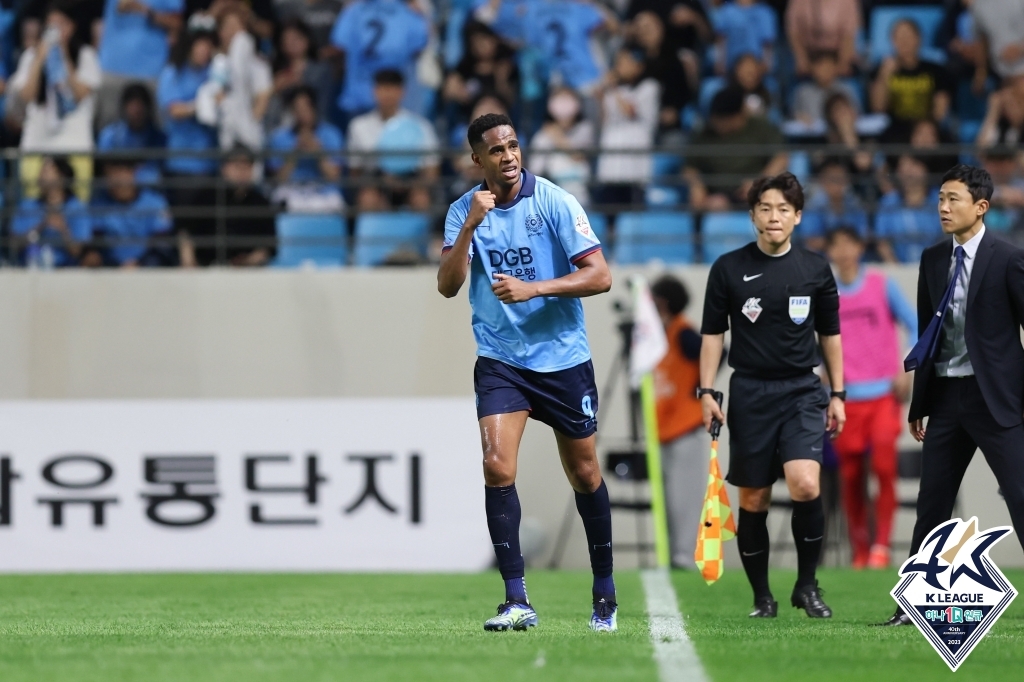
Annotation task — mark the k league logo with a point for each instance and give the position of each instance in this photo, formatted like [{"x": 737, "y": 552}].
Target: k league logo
[{"x": 952, "y": 590}]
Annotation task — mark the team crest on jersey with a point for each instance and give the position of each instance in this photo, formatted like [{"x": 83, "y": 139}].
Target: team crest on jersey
[
  {"x": 799, "y": 308},
  {"x": 534, "y": 224},
  {"x": 952, "y": 590},
  {"x": 583, "y": 227},
  {"x": 752, "y": 309}
]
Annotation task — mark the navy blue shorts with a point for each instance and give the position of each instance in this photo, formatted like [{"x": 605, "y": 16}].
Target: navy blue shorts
[{"x": 565, "y": 400}]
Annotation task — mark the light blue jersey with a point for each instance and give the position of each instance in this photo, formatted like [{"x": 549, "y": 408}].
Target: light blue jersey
[{"x": 538, "y": 236}]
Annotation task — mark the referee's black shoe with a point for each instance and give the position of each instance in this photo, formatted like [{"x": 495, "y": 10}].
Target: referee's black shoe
[
  {"x": 765, "y": 607},
  {"x": 898, "y": 618},
  {"x": 808, "y": 598}
]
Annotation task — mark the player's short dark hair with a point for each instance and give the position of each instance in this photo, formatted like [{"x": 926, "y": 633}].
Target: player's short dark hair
[
  {"x": 784, "y": 182},
  {"x": 978, "y": 181},
  {"x": 843, "y": 231},
  {"x": 673, "y": 292},
  {"x": 389, "y": 77},
  {"x": 481, "y": 125}
]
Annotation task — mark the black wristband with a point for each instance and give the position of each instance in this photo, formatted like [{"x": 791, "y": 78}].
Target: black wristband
[
  {"x": 839, "y": 394},
  {"x": 701, "y": 392}
]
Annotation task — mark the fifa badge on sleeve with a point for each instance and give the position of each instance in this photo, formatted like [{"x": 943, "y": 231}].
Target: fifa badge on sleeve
[{"x": 952, "y": 590}]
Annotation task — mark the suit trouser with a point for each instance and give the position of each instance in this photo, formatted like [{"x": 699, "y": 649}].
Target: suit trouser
[{"x": 960, "y": 423}]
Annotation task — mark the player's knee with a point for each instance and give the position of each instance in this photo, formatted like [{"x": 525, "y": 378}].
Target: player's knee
[
  {"x": 498, "y": 471},
  {"x": 804, "y": 488},
  {"x": 586, "y": 476},
  {"x": 755, "y": 500}
]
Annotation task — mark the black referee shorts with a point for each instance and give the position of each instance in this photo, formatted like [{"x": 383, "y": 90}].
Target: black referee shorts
[{"x": 772, "y": 422}]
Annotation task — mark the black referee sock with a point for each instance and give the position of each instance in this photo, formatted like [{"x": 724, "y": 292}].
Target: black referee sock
[
  {"x": 808, "y": 530},
  {"x": 752, "y": 540}
]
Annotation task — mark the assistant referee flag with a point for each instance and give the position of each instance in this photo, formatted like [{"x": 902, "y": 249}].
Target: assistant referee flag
[{"x": 716, "y": 521}]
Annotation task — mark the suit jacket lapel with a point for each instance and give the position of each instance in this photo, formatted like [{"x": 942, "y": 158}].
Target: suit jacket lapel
[{"x": 983, "y": 256}]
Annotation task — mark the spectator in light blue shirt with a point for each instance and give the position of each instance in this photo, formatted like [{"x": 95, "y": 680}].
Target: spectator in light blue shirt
[
  {"x": 561, "y": 30},
  {"x": 744, "y": 27},
  {"x": 176, "y": 96},
  {"x": 305, "y": 134},
  {"x": 136, "y": 129},
  {"x": 376, "y": 35},
  {"x": 908, "y": 218},
  {"x": 128, "y": 221},
  {"x": 135, "y": 47},
  {"x": 832, "y": 204},
  {"x": 56, "y": 222}
]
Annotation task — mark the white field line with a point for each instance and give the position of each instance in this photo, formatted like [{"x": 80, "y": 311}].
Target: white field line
[{"x": 677, "y": 659}]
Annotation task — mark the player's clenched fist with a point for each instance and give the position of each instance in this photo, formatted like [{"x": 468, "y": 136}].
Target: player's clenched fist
[
  {"x": 509, "y": 289},
  {"x": 479, "y": 207}
]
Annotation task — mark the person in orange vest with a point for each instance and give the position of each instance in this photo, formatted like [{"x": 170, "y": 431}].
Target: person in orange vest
[{"x": 685, "y": 445}]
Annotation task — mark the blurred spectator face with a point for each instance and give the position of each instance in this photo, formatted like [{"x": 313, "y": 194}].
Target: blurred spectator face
[
  {"x": 564, "y": 106},
  {"x": 824, "y": 69},
  {"x": 231, "y": 24},
  {"x": 845, "y": 251},
  {"x": 483, "y": 45},
  {"x": 840, "y": 113},
  {"x": 201, "y": 52},
  {"x": 60, "y": 23},
  {"x": 388, "y": 97},
  {"x": 649, "y": 31},
  {"x": 834, "y": 181},
  {"x": 906, "y": 42},
  {"x": 487, "y": 105},
  {"x": 748, "y": 72},
  {"x": 121, "y": 183},
  {"x": 49, "y": 177},
  {"x": 1002, "y": 167},
  {"x": 30, "y": 32},
  {"x": 237, "y": 170},
  {"x": 294, "y": 43},
  {"x": 628, "y": 68},
  {"x": 136, "y": 114},
  {"x": 911, "y": 173},
  {"x": 304, "y": 111},
  {"x": 925, "y": 134}
]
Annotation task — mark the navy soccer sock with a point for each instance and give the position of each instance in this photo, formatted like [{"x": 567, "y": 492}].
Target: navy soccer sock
[
  {"x": 752, "y": 541},
  {"x": 596, "y": 512},
  {"x": 808, "y": 530},
  {"x": 503, "y": 516}
]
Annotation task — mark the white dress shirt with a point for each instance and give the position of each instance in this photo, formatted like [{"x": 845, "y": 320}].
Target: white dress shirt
[{"x": 953, "y": 360}]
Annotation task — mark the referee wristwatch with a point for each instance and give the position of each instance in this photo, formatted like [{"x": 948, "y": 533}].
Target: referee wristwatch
[{"x": 839, "y": 394}]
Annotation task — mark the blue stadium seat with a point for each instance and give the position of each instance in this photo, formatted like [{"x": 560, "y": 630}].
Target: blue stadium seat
[
  {"x": 378, "y": 235},
  {"x": 599, "y": 224},
  {"x": 664, "y": 236},
  {"x": 318, "y": 240},
  {"x": 709, "y": 87},
  {"x": 724, "y": 232},
  {"x": 929, "y": 19}
]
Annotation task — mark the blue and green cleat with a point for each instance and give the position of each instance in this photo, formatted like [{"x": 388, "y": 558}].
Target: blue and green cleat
[
  {"x": 605, "y": 615},
  {"x": 512, "y": 616}
]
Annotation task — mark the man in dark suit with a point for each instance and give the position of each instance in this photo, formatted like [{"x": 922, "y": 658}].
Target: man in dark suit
[{"x": 969, "y": 362}]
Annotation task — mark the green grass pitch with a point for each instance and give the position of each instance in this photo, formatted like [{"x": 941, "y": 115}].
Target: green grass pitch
[{"x": 258, "y": 628}]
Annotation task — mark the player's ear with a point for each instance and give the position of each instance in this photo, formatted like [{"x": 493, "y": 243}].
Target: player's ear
[{"x": 799, "y": 215}]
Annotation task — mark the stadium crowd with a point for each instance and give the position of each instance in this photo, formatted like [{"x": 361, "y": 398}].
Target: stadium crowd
[{"x": 191, "y": 132}]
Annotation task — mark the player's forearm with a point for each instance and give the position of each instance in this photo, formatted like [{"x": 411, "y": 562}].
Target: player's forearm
[
  {"x": 588, "y": 281},
  {"x": 710, "y": 358},
  {"x": 832, "y": 350}
]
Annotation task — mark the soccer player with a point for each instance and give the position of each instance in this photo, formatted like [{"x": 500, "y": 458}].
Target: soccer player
[
  {"x": 775, "y": 296},
  {"x": 530, "y": 255}
]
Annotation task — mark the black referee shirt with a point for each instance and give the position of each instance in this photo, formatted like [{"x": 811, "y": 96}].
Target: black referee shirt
[{"x": 774, "y": 305}]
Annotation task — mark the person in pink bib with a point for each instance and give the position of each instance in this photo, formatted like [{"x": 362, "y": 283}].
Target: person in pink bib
[{"x": 870, "y": 305}]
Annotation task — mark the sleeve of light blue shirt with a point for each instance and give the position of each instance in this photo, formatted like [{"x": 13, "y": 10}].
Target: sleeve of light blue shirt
[
  {"x": 901, "y": 309},
  {"x": 589, "y": 16},
  {"x": 331, "y": 140},
  {"x": 453, "y": 223},
  {"x": 157, "y": 216},
  {"x": 280, "y": 141},
  {"x": 769, "y": 24},
  {"x": 418, "y": 33},
  {"x": 167, "y": 91},
  {"x": 343, "y": 35},
  {"x": 105, "y": 140},
  {"x": 573, "y": 228}
]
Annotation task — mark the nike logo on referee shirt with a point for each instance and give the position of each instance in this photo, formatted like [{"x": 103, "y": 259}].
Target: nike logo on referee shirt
[{"x": 748, "y": 278}]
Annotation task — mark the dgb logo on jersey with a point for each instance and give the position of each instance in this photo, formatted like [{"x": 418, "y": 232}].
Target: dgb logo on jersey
[
  {"x": 951, "y": 589},
  {"x": 513, "y": 257}
]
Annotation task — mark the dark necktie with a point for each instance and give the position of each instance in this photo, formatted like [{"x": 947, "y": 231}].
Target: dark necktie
[{"x": 928, "y": 344}]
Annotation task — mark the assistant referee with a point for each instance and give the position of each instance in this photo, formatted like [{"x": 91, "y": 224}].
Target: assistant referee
[{"x": 775, "y": 296}]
